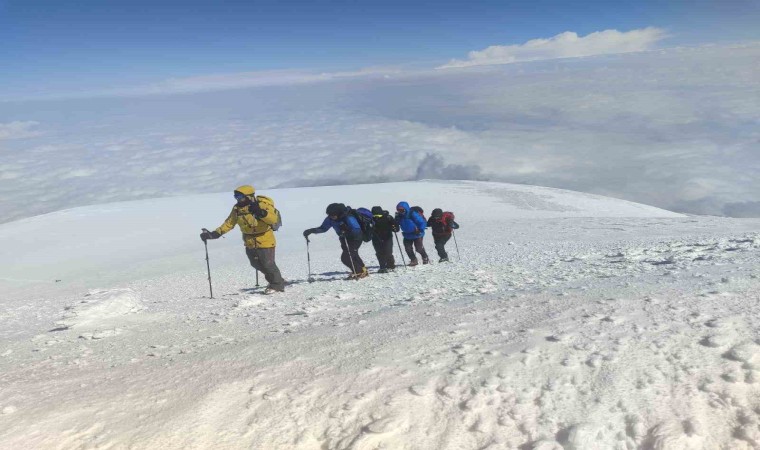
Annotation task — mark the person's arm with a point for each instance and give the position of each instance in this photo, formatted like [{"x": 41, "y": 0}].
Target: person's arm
[
  {"x": 223, "y": 228},
  {"x": 394, "y": 224},
  {"x": 228, "y": 224},
  {"x": 320, "y": 229},
  {"x": 430, "y": 221}
]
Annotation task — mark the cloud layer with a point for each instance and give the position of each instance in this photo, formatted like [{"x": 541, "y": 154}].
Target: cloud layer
[
  {"x": 564, "y": 45},
  {"x": 674, "y": 128},
  {"x": 17, "y": 130}
]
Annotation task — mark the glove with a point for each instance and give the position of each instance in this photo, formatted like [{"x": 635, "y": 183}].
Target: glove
[
  {"x": 416, "y": 231},
  {"x": 209, "y": 235},
  {"x": 256, "y": 210},
  {"x": 306, "y": 233}
]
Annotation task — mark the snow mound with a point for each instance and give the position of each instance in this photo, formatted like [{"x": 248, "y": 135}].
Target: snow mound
[{"x": 100, "y": 308}]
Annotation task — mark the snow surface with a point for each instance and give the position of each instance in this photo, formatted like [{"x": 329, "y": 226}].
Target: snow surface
[{"x": 571, "y": 321}]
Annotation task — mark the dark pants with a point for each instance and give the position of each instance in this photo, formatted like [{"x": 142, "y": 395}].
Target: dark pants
[
  {"x": 440, "y": 244},
  {"x": 262, "y": 259},
  {"x": 384, "y": 252},
  {"x": 418, "y": 245},
  {"x": 350, "y": 256}
]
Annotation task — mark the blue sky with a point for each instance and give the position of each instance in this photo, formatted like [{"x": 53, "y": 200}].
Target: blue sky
[{"x": 51, "y": 46}]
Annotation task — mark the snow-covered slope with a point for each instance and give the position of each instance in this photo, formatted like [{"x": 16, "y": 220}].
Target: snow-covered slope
[
  {"x": 122, "y": 241},
  {"x": 570, "y": 321}
]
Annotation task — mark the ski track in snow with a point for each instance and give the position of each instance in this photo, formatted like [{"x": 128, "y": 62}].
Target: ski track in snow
[{"x": 560, "y": 333}]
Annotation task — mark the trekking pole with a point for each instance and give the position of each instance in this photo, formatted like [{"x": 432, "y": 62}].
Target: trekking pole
[
  {"x": 400, "y": 250},
  {"x": 256, "y": 249},
  {"x": 208, "y": 266},
  {"x": 454, "y": 235},
  {"x": 308, "y": 261},
  {"x": 351, "y": 258}
]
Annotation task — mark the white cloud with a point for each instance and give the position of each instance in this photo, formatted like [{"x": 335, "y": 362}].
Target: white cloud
[
  {"x": 238, "y": 80},
  {"x": 17, "y": 130},
  {"x": 262, "y": 78},
  {"x": 675, "y": 128},
  {"x": 216, "y": 82},
  {"x": 564, "y": 45}
]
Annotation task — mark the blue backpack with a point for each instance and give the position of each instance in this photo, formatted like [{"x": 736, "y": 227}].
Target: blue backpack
[{"x": 366, "y": 222}]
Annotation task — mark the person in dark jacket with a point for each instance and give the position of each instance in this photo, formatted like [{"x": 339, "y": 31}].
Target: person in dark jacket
[
  {"x": 442, "y": 224},
  {"x": 412, "y": 227},
  {"x": 382, "y": 240},
  {"x": 350, "y": 233}
]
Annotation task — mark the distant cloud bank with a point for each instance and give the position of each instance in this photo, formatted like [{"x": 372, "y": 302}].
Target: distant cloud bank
[
  {"x": 564, "y": 45},
  {"x": 674, "y": 128},
  {"x": 253, "y": 79},
  {"x": 17, "y": 130}
]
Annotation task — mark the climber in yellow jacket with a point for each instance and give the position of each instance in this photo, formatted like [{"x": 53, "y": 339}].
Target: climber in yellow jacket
[{"x": 257, "y": 218}]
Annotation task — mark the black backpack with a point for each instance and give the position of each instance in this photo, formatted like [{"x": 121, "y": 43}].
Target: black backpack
[{"x": 366, "y": 222}]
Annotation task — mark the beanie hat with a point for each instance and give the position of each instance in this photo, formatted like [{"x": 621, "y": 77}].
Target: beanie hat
[
  {"x": 336, "y": 209},
  {"x": 246, "y": 190}
]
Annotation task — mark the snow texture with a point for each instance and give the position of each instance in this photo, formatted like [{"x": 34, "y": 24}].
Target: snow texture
[{"x": 566, "y": 321}]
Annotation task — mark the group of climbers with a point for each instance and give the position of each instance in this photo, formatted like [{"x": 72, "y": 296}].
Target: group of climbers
[
  {"x": 258, "y": 218},
  {"x": 348, "y": 225}
]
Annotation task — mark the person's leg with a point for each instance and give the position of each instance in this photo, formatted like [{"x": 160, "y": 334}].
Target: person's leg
[
  {"x": 354, "y": 247},
  {"x": 390, "y": 261},
  {"x": 345, "y": 256},
  {"x": 269, "y": 268},
  {"x": 438, "y": 240},
  {"x": 253, "y": 257},
  {"x": 420, "y": 246},
  {"x": 379, "y": 252},
  {"x": 410, "y": 251},
  {"x": 262, "y": 259},
  {"x": 440, "y": 246}
]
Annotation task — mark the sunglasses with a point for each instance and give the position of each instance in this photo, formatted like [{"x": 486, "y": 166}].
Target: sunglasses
[{"x": 239, "y": 196}]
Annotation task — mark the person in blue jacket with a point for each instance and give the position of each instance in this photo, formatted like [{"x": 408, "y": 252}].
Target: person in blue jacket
[
  {"x": 350, "y": 234},
  {"x": 412, "y": 226}
]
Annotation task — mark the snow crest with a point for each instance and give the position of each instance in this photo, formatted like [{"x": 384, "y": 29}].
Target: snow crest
[{"x": 100, "y": 308}]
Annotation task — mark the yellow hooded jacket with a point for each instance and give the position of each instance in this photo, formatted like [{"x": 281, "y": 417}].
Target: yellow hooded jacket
[{"x": 256, "y": 232}]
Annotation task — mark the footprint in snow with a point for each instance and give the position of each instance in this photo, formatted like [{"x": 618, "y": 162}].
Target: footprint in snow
[{"x": 746, "y": 352}]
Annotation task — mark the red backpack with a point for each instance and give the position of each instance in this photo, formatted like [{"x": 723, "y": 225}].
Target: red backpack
[{"x": 447, "y": 218}]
